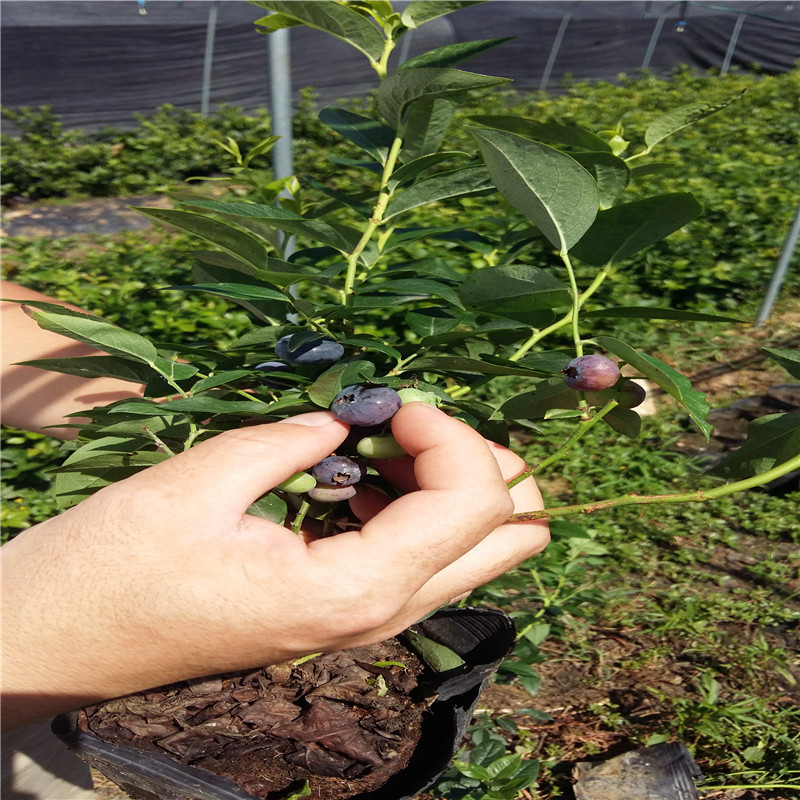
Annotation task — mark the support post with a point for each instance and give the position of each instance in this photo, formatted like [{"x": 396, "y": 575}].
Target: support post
[
  {"x": 208, "y": 58},
  {"x": 551, "y": 59},
  {"x": 781, "y": 268}
]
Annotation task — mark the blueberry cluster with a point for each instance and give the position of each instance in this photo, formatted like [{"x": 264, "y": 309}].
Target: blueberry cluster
[{"x": 366, "y": 409}]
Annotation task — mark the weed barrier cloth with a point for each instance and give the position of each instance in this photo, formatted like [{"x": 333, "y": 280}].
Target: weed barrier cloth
[{"x": 447, "y": 697}]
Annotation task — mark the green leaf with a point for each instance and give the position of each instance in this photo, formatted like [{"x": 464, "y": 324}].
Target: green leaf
[
  {"x": 368, "y": 134},
  {"x": 100, "y": 463},
  {"x": 548, "y": 394},
  {"x": 549, "y": 361},
  {"x": 771, "y": 440},
  {"x": 335, "y": 19},
  {"x": 203, "y": 404},
  {"x": 365, "y": 343},
  {"x": 672, "y": 382},
  {"x": 450, "y": 54},
  {"x": 235, "y": 241},
  {"x": 623, "y": 230},
  {"x": 220, "y": 378},
  {"x": 410, "y": 170},
  {"x": 470, "y": 366},
  {"x": 271, "y": 508},
  {"x": 432, "y": 321},
  {"x": 548, "y": 187},
  {"x": 437, "y": 656},
  {"x": 404, "y": 236},
  {"x": 678, "y": 118},
  {"x": 647, "y": 312},
  {"x": 404, "y": 87},
  {"x": 96, "y": 332},
  {"x": 238, "y": 291},
  {"x": 71, "y": 487},
  {"x": 418, "y": 12},
  {"x": 456, "y": 183},
  {"x": 624, "y": 421},
  {"x": 553, "y": 132},
  {"x": 426, "y": 124},
  {"x": 421, "y": 287},
  {"x": 337, "y": 236},
  {"x": 266, "y": 310},
  {"x": 513, "y": 291},
  {"x": 97, "y": 367},
  {"x": 788, "y": 359},
  {"x": 504, "y": 767},
  {"x": 611, "y": 173}
]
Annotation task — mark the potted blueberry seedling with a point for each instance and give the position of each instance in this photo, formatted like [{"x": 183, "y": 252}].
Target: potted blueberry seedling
[{"x": 383, "y": 298}]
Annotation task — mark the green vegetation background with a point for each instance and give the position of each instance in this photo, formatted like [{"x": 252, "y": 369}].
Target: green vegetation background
[{"x": 623, "y": 571}]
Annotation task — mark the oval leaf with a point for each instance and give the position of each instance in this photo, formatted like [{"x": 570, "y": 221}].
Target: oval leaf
[
  {"x": 548, "y": 187},
  {"x": 623, "y": 230}
]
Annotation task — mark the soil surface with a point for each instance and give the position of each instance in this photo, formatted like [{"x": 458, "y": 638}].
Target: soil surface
[
  {"x": 343, "y": 721},
  {"x": 99, "y": 215}
]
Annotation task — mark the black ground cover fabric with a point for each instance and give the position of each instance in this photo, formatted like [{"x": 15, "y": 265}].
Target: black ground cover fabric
[{"x": 97, "y": 62}]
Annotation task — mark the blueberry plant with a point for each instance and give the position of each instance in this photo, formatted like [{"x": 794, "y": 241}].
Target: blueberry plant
[{"x": 367, "y": 295}]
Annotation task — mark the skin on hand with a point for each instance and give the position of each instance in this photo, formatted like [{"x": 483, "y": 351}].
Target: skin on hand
[
  {"x": 33, "y": 398},
  {"x": 163, "y": 576}
]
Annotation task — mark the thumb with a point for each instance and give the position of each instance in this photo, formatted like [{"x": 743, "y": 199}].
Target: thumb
[{"x": 240, "y": 465}]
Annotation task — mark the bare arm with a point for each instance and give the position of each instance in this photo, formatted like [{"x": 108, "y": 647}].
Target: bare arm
[
  {"x": 34, "y": 398},
  {"x": 164, "y": 576}
]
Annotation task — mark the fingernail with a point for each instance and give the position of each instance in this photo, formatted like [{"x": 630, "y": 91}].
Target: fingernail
[{"x": 313, "y": 419}]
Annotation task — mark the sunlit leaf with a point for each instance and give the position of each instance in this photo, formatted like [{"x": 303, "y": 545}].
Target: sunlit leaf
[{"x": 551, "y": 189}]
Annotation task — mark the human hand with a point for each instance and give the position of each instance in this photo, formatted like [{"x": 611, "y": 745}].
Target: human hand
[{"x": 164, "y": 576}]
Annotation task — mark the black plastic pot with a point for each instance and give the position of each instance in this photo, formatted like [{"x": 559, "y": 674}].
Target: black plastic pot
[{"x": 482, "y": 637}]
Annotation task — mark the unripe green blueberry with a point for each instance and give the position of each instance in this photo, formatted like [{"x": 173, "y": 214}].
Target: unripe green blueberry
[
  {"x": 380, "y": 447},
  {"x": 410, "y": 395},
  {"x": 299, "y": 483}
]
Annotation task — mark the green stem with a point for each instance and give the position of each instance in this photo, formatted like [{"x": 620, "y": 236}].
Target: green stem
[
  {"x": 158, "y": 441},
  {"x": 584, "y": 427},
  {"x": 576, "y": 303},
  {"x": 684, "y": 497},
  {"x": 384, "y": 195},
  {"x": 297, "y": 523}
]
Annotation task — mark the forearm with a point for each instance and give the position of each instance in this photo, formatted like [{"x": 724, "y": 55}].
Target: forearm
[{"x": 33, "y": 398}]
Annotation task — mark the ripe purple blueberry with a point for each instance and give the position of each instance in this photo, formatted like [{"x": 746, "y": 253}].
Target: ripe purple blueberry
[
  {"x": 365, "y": 405},
  {"x": 273, "y": 370},
  {"x": 591, "y": 373},
  {"x": 337, "y": 471},
  {"x": 315, "y": 351}
]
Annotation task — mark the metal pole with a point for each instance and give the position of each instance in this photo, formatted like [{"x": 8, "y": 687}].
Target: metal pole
[
  {"x": 737, "y": 29},
  {"x": 208, "y": 58},
  {"x": 551, "y": 59},
  {"x": 280, "y": 95},
  {"x": 781, "y": 268},
  {"x": 651, "y": 45},
  {"x": 280, "y": 98},
  {"x": 734, "y": 40}
]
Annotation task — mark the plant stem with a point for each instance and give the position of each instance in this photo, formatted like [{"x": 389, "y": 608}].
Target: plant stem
[
  {"x": 576, "y": 302},
  {"x": 684, "y": 497},
  {"x": 158, "y": 441},
  {"x": 384, "y": 195},
  {"x": 297, "y": 523},
  {"x": 585, "y": 426}
]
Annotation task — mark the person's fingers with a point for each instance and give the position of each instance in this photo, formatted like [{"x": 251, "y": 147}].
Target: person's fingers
[
  {"x": 236, "y": 467},
  {"x": 462, "y": 497}
]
